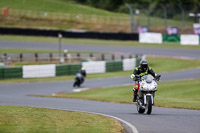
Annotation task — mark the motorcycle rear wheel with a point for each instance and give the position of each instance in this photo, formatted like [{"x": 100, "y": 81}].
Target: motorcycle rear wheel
[
  {"x": 140, "y": 109},
  {"x": 76, "y": 83}
]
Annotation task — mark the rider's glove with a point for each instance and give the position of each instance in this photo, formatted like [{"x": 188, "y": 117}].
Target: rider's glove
[
  {"x": 132, "y": 76},
  {"x": 158, "y": 77}
]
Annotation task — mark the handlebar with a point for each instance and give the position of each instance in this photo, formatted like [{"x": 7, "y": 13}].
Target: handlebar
[
  {"x": 158, "y": 77},
  {"x": 136, "y": 78}
]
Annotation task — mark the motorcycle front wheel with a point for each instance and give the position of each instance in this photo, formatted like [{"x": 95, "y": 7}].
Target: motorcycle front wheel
[{"x": 149, "y": 105}]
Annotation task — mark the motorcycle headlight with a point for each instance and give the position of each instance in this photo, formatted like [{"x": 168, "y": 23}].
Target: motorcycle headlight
[
  {"x": 153, "y": 87},
  {"x": 144, "y": 86}
]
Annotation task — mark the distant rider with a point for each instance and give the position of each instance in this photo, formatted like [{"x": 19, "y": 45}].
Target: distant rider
[
  {"x": 83, "y": 72},
  {"x": 80, "y": 76},
  {"x": 141, "y": 70}
]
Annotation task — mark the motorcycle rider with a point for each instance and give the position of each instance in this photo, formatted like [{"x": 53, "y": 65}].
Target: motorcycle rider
[
  {"x": 83, "y": 72},
  {"x": 141, "y": 70},
  {"x": 80, "y": 77},
  {"x": 78, "y": 80}
]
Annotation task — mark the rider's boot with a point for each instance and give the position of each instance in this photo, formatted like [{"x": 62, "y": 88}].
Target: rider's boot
[{"x": 135, "y": 95}]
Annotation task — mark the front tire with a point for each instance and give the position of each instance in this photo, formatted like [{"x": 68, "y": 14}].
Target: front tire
[{"x": 149, "y": 105}]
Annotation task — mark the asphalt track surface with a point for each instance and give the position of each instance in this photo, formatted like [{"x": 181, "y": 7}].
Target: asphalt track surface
[
  {"x": 183, "y": 53},
  {"x": 165, "y": 120}
]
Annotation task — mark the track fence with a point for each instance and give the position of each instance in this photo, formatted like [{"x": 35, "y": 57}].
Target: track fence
[{"x": 93, "y": 63}]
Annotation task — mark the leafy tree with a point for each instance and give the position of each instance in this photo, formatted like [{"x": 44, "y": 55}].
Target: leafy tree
[{"x": 154, "y": 6}]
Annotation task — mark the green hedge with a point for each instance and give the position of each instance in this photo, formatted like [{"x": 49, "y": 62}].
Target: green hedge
[
  {"x": 1, "y": 73},
  {"x": 114, "y": 66},
  {"x": 67, "y": 69},
  {"x": 62, "y": 70},
  {"x": 75, "y": 68},
  {"x": 14, "y": 72}
]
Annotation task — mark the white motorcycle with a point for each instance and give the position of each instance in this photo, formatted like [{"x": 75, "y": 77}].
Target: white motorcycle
[{"x": 146, "y": 93}]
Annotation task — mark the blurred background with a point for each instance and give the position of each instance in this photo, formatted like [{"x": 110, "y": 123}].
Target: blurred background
[
  {"x": 71, "y": 22},
  {"x": 101, "y": 15}
]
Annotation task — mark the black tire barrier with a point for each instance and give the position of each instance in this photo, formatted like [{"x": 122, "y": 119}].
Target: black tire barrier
[{"x": 70, "y": 34}]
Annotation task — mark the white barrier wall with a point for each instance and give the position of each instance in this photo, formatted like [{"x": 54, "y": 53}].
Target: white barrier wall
[
  {"x": 129, "y": 64},
  {"x": 36, "y": 71},
  {"x": 95, "y": 66},
  {"x": 189, "y": 39},
  {"x": 150, "y": 37}
]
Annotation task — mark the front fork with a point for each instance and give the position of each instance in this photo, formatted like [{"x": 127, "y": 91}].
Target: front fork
[{"x": 145, "y": 98}]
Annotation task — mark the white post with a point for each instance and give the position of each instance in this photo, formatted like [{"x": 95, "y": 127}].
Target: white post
[{"x": 60, "y": 47}]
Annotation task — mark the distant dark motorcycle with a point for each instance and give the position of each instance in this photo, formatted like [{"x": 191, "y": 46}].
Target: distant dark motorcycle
[{"x": 79, "y": 79}]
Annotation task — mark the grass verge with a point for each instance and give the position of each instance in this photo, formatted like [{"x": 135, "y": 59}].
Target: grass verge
[
  {"x": 96, "y": 42},
  {"x": 48, "y": 10},
  {"x": 29, "y": 120},
  {"x": 64, "y": 6},
  {"x": 12, "y": 50},
  {"x": 179, "y": 94},
  {"x": 7, "y": 50}
]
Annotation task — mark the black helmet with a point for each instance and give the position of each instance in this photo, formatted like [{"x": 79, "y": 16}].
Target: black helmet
[{"x": 144, "y": 65}]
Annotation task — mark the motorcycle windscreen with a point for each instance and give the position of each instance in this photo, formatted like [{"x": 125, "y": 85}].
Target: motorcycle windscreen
[{"x": 149, "y": 78}]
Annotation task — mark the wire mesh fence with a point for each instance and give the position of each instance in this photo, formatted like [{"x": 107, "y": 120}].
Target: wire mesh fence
[
  {"x": 69, "y": 17},
  {"x": 163, "y": 16},
  {"x": 157, "y": 19},
  {"x": 10, "y": 59}
]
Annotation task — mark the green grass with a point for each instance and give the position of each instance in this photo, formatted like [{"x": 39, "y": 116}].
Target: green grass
[
  {"x": 38, "y": 120},
  {"x": 97, "y": 42},
  {"x": 156, "y": 63},
  {"x": 169, "y": 64},
  {"x": 179, "y": 94},
  {"x": 71, "y": 7},
  {"x": 12, "y": 50},
  {"x": 158, "y": 22},
  {"x": 7, "y": 50},
  {"x": 64, "y": 6},
  {"x": 60, "y": 14}
]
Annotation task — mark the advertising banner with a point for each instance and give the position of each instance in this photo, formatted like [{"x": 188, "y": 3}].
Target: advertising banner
[
  {"x": 37, "y": 71},
  {"x": 150, "y": 37},
  {"x": 142, "y": 29},
  {"x": 172, "y": 30},
  {"x": 189, "y": 39}
]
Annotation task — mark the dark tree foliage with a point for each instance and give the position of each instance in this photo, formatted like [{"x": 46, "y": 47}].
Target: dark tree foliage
[
  {"x": 111, "y": 5},
  {"x": 173, "y": 6}
]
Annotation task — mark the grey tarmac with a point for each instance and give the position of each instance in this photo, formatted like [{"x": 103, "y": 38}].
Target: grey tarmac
[
  {"x": 182, "y": 53},
  {"x": 161, "y": 120},
  {"x": 165, "y": 120}
]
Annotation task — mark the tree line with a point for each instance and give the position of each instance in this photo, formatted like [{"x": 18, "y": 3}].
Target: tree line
[{"x": 155, "y": 7}]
